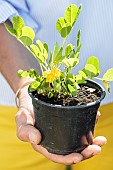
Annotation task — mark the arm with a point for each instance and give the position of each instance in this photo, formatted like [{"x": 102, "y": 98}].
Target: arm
[{"x": 13, "y": 56}]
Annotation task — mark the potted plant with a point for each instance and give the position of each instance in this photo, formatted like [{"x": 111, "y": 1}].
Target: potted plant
[{"x": 65, "y": 105}]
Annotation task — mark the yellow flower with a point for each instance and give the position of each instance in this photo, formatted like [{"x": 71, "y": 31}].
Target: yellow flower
[
  {"x": 50, "y": 78},
  {"x": 51, "y": 75},
  {"x": 56, "y": 72}
]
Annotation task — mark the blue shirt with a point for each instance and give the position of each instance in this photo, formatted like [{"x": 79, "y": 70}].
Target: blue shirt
[{"x": 95, "y": 22}]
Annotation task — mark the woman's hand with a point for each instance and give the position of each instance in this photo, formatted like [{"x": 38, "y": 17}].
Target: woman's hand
[{"x": 28, "y": 133}]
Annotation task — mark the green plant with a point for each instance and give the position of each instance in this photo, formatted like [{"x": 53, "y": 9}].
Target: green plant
[
  {"x": 68, "y": 167},
  {"x": 53, "y": 82}
]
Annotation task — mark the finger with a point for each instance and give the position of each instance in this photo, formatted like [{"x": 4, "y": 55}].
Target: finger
[
  {"x": 63, "y": 159},
  {"x": 23, "y": 116},
  {"x": 90, "y": 151},
  {"x": 28, "y": 133},
  {"x": 100, "y": 141},
  {"x": 95, "y": 148},
  {"x": 25, "y": 129}
]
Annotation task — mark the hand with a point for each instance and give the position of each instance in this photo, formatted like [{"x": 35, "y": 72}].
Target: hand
[{"x": 27, "y": 132}]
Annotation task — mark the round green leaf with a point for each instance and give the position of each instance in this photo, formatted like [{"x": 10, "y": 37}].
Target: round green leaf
[
  {"x": 28, "y": 32},
  {"x": 18, "y": 24},
  {"x": 90, "y": 70},
  {"x": 65, "y": 30},
  {"x": 108, "y": 76},
  {"x": 69, "y": 49},
  {"x": 79, "y": 79},
  {"x": 34, "y": 85},
  {"x": 71, "y": 14},
  {"x": 40, "y": 45},
  {"x": 10, "y": 30},
  {"x": 106, "y": 85},
  {"x": 83, "y": 74},
  {"x": 26, "y": 41},
  {"x": 23, "y": 74},
  {"x": 72, "y": 90},
  {"x": 60, "y": 24},
  {"x": 63, "y": 27},
  {"x": 95, "y": 62}
]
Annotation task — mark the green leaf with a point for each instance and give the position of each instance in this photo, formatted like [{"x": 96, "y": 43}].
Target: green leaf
[
  {"x": 60, "y": 24},
  {"x": 46, "y": 47},
  {"x": 79, "y": 79},
  {"x": 82, "y": 73},
  {"x": 72, "y": 61},
  {"x": 43, "y": 49},
  {"x": 108, "y": 76},
  {"x": 50, "y": 95},
  {"x": 45, "y": 54},
  {"x": 10, "y": 30},
  {"x": 69, "y": 49},
  {"x": 76, "y": 58},
  {"x": 66, "y": 30},
  {"x": 26, "y": 41},
  {"x": 57, "y": 86},
  {"x": 33, "y": 73},
  {"x": 62, "y": 76},
  {"x": 40, "y": 45},
  {"x": 78, "y": 37},
  {"x": 70, "y": 79},
  {"x": 50, "y": 59},
  {"x": 65, "y": 24},
  {"x": 27, "y": 31},
  {"x": 34, "y": 85},
  {"x": 90, "y": 70},
  {"x": 57, "y": 54},
  {"x": 23, "y": 74},
  {"x": 56, "y": 50},
  {"x": 59, "y": 58},
  {"x": 27, "y": 36},
  {"x": 72, "y": 90},
  {"x": 34, "y": 49},
  {"x": 71, "y": 14},
  {"x": 79, "y": 11},
  {"x": 63, "y": 27},
  {"x": 18, "y": 24},
  {"x": 78, "y": 48},
  {"x": 106, "y": 85},
  {"x": 95, "y": 62}
]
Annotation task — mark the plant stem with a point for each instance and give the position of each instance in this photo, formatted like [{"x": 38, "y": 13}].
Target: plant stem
[
  {"x": 41, "y": 68},
  {"x": 64, "y": 42},
  {"x": 44, "y": 66},
  {"x": 98, "y": 78},
  {"x": 68, "y": 167}
]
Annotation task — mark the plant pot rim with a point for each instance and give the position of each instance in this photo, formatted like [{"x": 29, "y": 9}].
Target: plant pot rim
[{"x": 68, "y": 107}]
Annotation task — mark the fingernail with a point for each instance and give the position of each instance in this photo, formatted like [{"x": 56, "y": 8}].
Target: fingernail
[{"x": 33, "y": 137}]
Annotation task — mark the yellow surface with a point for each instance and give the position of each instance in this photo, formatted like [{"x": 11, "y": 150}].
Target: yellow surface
[
  {"x": 104, "y": 127},
  {"x": 17, "y": 155}
]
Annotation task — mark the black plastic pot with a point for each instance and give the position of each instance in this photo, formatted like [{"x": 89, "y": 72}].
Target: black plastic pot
[{"x": 66, "y": 129}]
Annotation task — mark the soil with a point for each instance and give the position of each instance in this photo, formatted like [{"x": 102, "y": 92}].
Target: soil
[{"x": 84, "y": 95}]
